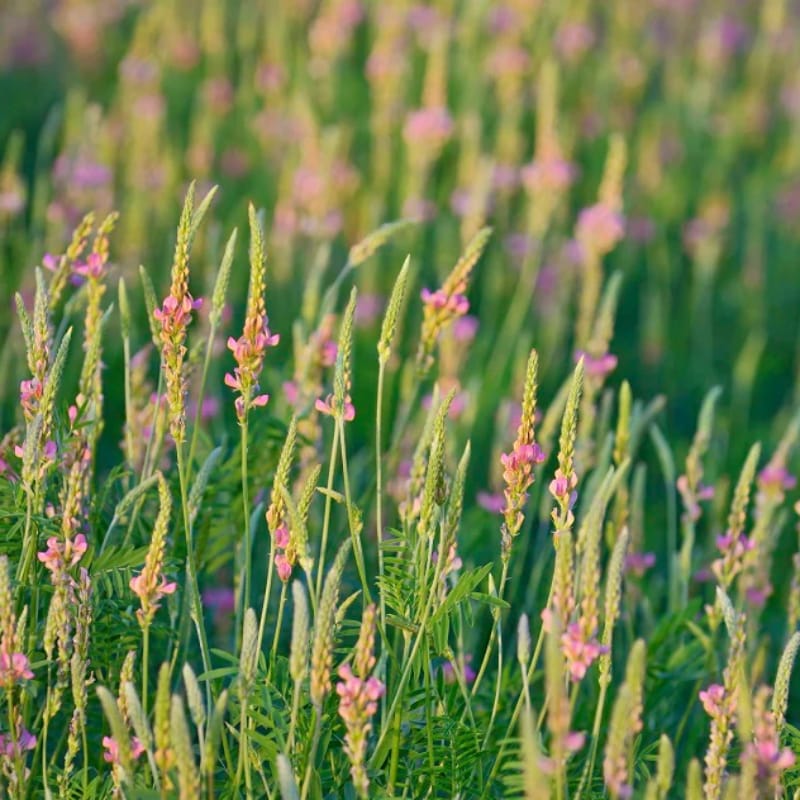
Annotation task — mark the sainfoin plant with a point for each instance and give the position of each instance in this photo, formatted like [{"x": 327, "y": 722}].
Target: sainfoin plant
[{"x": 399, "y": 400}]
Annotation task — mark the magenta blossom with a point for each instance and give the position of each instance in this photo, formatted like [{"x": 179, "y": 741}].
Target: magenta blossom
[
  {"x": 25, "y": 741},
  {"x": 328, "y": 406},
  {"x": 63, "y": 554},
  {"x": 579, "y": 652},
  {"x": 456, "y": 304},
  {"x": 493, "y": 502},
  {"x": 600, "y": 228},
  {"x": 550, "y": 174},
  {"x": 111, "y": 746},
  {"x": 597, "y": 366},
  {"x": 713, "y": 699},
  {"x": 14, "y": 667},
  {"x": 639, "y": 563},
  {"x": 449, "y": 671}
]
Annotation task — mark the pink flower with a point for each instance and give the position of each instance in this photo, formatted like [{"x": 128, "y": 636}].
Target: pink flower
[
  {"x": 282, "y": 537},
  {"x": 93, "y": 267},
  {"x": 220, "y": 598},
  {"x": 439, "y": 300},
  {"x": 430, "y": 127},
  {"x": 551, "y": 174},
  {"x": 600, "y": 228},
  {"x": 493, "y": 502},
  {"x": 579, "y": 652},
  {"x": 25, "y": 741},
  {"x": 14, "y": 667},
  {"x": 358, "y": 695},
  {"x": 776, "y": 478},
  {"x": 561, "y": 486},
  {"x": 284, "y": 567},
  {"x": 328, "y": 406},
  {"x": 111, "y": 746},
  {"x": 573, "y": 39},
  {"x": 50, "y": 262},
  {"x": 449, "y": 671},
  {"x": 140, "y": 585},
  {"x": 597, "y": 366},
  {"x": 465, "y": 328},
  {"x": 63, "y": 554},
  {"x": 368, "y": 309},
  {"x": 712, "y": 699},
  {"x": 639, "y": 563},
  {"x": 291, "y": 392}
]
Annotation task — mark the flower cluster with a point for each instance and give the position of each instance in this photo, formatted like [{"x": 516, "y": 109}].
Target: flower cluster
[
  {"x": 359, "y": 693},
  {"x": 764, "y": 757},
  {"x": 579, "y": 651},
  {"x": 733, "y": 548},
  {"x": 150, "y": 586},
  {"x": 518, "y": 476},
  {"x": 329, "y": 407},
  {"x": 693, "y": 496},
  {"x": 449, "y": 303},
  {"x": 250, "y": 348},
  {"x": 14, "y": 667},
  {"x": 599, "y": 229},
  {"x": 597, "y": 366},
  {"x": 283, "y": 561},
  {"x": 111, "y": 747},
  {"x": 62, "y": 555},
  {"x": 174, "y": 317},
  {"x": 25, "y": 741}
]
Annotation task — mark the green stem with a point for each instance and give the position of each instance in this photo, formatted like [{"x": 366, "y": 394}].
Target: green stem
[
  {"x": 277, "y": 636},
  {"x": 493, "y": 633},
  {"x": 145, "y": 664},
  {"x": 379, "y": 485},
  {"x": 598, "y": 718},
  {"x": 195, "y": 603},
  {"x": 326, "y": 519},
  {"x": 355, "y": 533},
  {"x": 200, "y": 395},
  {"x": 262, "y": 624},
  {"x": 126, "y": 354},
  {"x": 244, "y": 600},
  {"x": 312, "y": 756}
]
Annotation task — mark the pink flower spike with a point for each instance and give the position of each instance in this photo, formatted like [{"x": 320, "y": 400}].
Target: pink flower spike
[
  {"x": 282, "y": 537},
  {"x": 712, "y": 699},
  {"x": 324, "y": 406},
  {"x": 14, "y": 667},
  {"x": 283, "y": 566}
]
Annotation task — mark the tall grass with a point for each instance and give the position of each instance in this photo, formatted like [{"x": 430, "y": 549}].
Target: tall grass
[{"x": 398, "y": 400}]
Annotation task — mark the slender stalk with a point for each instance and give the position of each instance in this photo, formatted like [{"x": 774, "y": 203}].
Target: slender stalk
[
  {"x": 493, "y": 633},
  {"x": 145, "y": 664},
  {"x": 244, "y": 599},
  {"x": 379, "y": 486},
  {"x": 326, "y": 519},
  {"x": 262, "y": 623},
  {"x": 406, "y": 673},
  {"x": 126, "y": 354},
  {"x": 312, "y": 756},
  {"x": 146, "y": 465},
  {"x": 588, "y": 770},
  {"x": 200, "y": 396},
  {"x": 355, "y": 534},
  {"x": 195, "y": 603},
  {"x": 517, "y": 709},
  {"x": 277, "y": 636}
]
